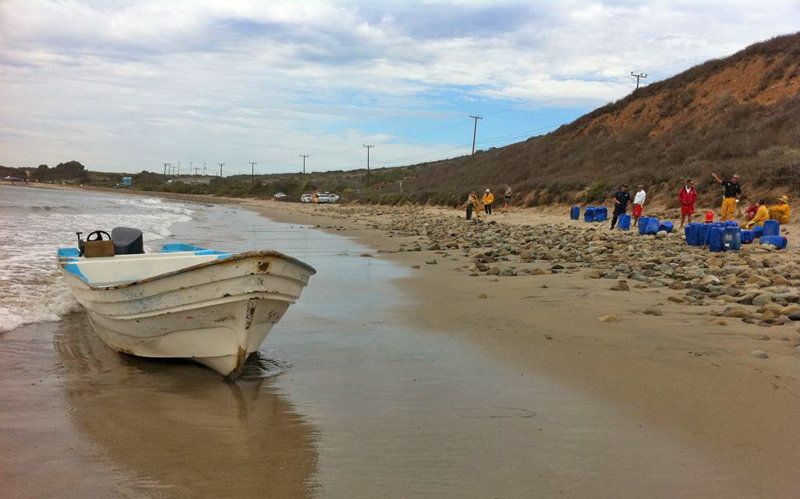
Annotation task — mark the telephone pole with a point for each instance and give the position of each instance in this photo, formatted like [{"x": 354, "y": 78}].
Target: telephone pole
[
  {"x": 368, "y": 148},
  {"x": 166, "y": 165},
  {"x": 179, "y": 169},
  {"x": 475, "y": 131},
  {"x": 304, "y": 156},
  {"x": 638, "y": 76},
  {"x": 220, "y": 169},
  {"x": 252, "y": 172},
  {"x": 204, "y": 169}
]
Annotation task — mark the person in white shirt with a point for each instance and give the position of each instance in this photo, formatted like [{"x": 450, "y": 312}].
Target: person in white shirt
[{"x": 638, "y": 202}]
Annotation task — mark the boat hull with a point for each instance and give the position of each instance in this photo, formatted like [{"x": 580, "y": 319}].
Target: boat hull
[{"x": 216, "y": 313}]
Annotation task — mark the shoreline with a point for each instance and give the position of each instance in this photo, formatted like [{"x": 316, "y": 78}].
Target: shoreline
[{"x": 678, "y": 372}]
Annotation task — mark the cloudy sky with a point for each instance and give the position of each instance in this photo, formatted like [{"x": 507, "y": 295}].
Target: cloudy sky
[{"x": 124, "y": 85}]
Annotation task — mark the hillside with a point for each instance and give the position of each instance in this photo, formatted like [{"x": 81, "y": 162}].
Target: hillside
[{"x": 737, "y": 114}]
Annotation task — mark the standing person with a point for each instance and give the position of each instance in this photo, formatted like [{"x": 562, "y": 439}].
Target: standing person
[
  {"x": 507, "y": 196},
  {"x": 488, "y": 199},
  {"x": 732, "y": 192},
  {"x": 472, "y": 204},
  {"x": 638, "y": 203},
  {"x": 687, "y": 197},
  {"x": 621, "y": 199}
]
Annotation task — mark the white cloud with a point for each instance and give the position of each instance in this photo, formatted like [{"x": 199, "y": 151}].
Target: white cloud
[{"x": 117, "y": 83}]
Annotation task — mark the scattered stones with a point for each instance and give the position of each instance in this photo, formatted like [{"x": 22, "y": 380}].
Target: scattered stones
[
  {"x": 759, "y": 354},
  {"x": 676, "y": 299},
  {"x": 653, "y": 311},
  {"x": 620, "y": 286},
  {"x": 431, "y": 262},
  {"x": 609, "y": 318},
  {"x": 538, "y": 271}
]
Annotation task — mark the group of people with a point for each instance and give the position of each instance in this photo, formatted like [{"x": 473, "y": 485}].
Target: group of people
[
  {"x": 755, "y": 215},
  {"x": 473, "y": 204}
]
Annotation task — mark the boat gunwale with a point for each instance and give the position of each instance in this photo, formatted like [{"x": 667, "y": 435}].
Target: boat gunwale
[{"x": 227, "y": 259}]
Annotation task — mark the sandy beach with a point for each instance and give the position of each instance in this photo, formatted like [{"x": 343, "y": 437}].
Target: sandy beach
[
  {"x": 679, "y": 371},
  {"x": 436, "y": 358}
]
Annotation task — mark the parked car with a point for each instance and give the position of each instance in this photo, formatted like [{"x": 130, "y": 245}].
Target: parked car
[
  {"x": 305, "y": 198},
  {"x": 328, "y": 197},
  {"x": 279, "y": 196}
]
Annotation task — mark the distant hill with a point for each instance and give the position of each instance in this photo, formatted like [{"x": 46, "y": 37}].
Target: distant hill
[{"x": 737, "y": 114}]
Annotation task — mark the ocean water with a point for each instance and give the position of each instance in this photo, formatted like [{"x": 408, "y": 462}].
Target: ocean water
[{"x": 34, "y": 223}]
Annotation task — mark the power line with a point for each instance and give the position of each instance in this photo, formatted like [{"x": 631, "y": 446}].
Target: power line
[
  {"x": 475, "y": 131},
  {"x": 252, "y": 172},
  {"x": 304, "y": 156},
  {"x": 638, "y": 77},
  {"x": 368, "y": 148}
]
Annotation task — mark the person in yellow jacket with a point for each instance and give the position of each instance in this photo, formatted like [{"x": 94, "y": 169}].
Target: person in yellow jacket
[
  {"x": 762, "y": 215},
  {"x": 731, "y": 196},
  {"x": 781, "y": 211},
  {"x": 488, "y": 199}
]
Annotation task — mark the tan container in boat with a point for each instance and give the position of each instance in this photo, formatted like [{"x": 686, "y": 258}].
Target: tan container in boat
[{"x": 93, "y": 249}]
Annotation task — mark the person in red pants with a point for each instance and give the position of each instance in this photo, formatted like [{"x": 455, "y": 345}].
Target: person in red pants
[{"x": 687, "y": 197}]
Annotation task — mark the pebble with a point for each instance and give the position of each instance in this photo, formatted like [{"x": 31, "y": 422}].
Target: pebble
[
  {"x": 483, "y": 296},
  {"x": 719, "y": 322},
  {"x": 653, "y": 311},
  {"x": 609, "y": 318},
  {"x": 759, "y": 354}
]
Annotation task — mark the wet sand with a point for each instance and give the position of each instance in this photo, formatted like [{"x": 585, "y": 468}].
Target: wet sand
[{"x": 387, "y": 381}]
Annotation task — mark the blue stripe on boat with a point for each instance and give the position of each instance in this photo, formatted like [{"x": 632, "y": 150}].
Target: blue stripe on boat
[
  {"x": 74, "y": 269},
  {"x": 175, "y": 247},
  {"x": 68, "y": 252}
]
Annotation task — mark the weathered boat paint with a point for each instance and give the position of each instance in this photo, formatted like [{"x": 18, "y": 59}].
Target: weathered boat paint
[{"x": 186, "y": 302}]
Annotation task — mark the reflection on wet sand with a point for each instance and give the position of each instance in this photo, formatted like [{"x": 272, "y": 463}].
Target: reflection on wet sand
[{"x": 180, "y": 425}]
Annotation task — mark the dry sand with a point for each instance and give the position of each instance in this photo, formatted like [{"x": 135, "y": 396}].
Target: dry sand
[{"x": 693, "y": 379}]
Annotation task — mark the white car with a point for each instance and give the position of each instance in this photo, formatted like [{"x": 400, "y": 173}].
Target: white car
[
  {"x": 305, "y": 198},
  {"x": 279, "y": 195},
  {"x": 328, "y": 197}
]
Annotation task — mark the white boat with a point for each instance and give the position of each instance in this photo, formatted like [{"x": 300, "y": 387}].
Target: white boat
[{"x": 185, "y": 301}]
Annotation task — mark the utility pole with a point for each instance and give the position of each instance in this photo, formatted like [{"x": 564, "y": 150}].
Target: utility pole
[
  {"x": 166, "y": 165},
  {"x": 368, "y": 148},
  {"x": 475, "y": 131},
  {"x": 220, "y": 169},
  {"x": 304, "y": 156},
  {"x": 204, "y": 169},
  {"x": 179, "y": 168},
  {"x": 252, "y": 172},
  {"x": 638, "y": 76}
]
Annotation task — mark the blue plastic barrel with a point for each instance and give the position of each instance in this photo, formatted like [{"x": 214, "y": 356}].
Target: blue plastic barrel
[
  {"x": 715, "y": 239},
  {"x": 624, "y": 222},
  {"x": 600, "y": 214},
  {"x": 778, "y": 241},
  {"x": 702, "y": 232},
  {"x": 747, "y": 236},
  {"x": 588, "y": 214},
  {"x": 652, "y": 226},
  {"x": 575, "y": 213},
  {"x": 643, "y": 225},
  {"x": 731, "y": 223},
  {"x": 667, "y": 226},
  {"x": 758, "y": 232},
  {"x": 731, "y": 238},
  {"x": 772, "y": 228},
  {"x": 688, "y": 232}
]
